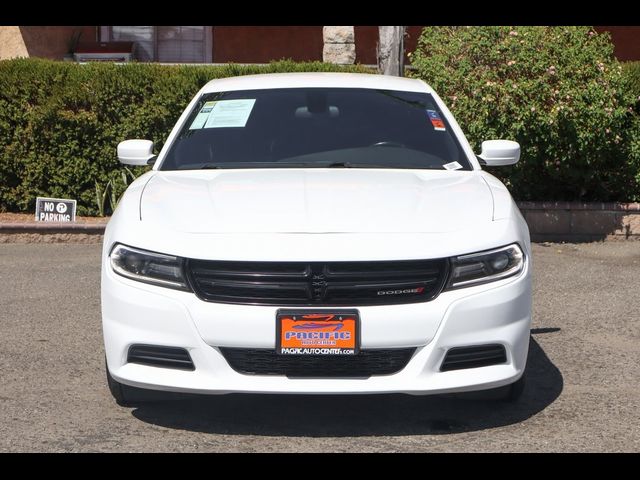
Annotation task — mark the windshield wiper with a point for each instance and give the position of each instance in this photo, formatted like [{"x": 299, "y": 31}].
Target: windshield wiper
[
  {"x": 351, "y": 165},
  {"x": 213, "y": 166},
  {"x": 337, "y": 165},
  {"x": 374, "y": 165},
  {"x": 208, "y": 166},
  {"x": 232, "y": 165}
]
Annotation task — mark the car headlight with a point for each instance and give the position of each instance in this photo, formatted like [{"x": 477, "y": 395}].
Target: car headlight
[
  {"x": 487, "y": 266},
  {"x": 149, "y": 267}
]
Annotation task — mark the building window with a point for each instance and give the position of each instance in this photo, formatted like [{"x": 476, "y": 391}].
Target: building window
[{"x": 171, "y": 44}]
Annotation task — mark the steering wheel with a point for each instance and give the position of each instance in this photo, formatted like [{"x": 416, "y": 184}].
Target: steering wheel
[{"x": 387, "y": 143}]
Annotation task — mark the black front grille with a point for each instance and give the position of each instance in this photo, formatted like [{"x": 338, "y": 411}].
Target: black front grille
[
  {"x": 157, "y": 356},
  {"x": 459, "y": 358},
  {"x": 262, "y": 361},
  {"x": 323, "y": 283}
]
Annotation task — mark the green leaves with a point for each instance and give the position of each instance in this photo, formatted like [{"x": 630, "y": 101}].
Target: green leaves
[
  {"x": 60, "y": 123},
  {"x": 631, "y": 79},
  {"x": 557, "y": 90}
]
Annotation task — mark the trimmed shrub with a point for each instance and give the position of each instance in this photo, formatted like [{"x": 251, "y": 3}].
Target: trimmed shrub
[
  {"x": 558, "y": 91},
  {"x": 60, "y": 122},
  {"x": 631, "y": 74}
]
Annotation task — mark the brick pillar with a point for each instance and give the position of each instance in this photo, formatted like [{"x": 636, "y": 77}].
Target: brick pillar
[{"x": 339, "y": 45}]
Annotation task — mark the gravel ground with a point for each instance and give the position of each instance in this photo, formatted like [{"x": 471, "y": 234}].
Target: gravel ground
[{"x": 583, "y": 392}]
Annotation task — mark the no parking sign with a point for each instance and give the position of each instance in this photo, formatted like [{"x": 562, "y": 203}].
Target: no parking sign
[{"x": 55, "y": 210}]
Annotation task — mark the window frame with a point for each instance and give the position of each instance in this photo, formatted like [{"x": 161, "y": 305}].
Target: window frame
[
  {"x": 190, "y": 112},
  {"x": 106, "y": 35}
]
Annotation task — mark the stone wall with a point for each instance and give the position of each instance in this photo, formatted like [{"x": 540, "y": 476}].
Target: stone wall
[{"x": 577, "y": 221}]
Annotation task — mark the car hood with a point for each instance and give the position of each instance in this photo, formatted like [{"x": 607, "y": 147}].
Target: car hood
[{"x": 316, "y": 201}]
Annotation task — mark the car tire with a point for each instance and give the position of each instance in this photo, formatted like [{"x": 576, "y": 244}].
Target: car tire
[
  {"x": 509, "y": 393},
  {"x": 119, "y": 392},
  {"x": 128, "y": 396}
]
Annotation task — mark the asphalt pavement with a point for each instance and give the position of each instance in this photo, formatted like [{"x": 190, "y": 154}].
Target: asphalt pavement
[{"x": 583, "y": 391}]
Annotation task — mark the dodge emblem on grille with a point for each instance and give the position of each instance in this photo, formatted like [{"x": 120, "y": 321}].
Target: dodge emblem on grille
[
  {"x": 318, "y": 285},
  {"x": 401, "y": 291}
]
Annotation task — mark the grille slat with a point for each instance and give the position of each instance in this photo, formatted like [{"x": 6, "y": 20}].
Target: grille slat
[
  {"x": 357, "y": 283},
  {"x": 154, "y": 359},
  {"x": 317, "y": 283},
  {"x": 158, "y": 356},
  {"x": 260, "y": 294},
  {"x": 140, "y": 353},
  {"x": 416, "y": 270},
  {"x": 473, "y": 357},
  {"x": 255, "y": 269},
  {"x": 459, "y": 358},
  {"x": 259, "y": 361},
  {"x": 253, "y": 284}
]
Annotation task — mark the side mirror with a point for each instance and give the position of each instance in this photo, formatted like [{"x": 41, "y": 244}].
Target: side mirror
[
  {"x": 136, "y": 152},
  {"x": 499, "y": 152}
]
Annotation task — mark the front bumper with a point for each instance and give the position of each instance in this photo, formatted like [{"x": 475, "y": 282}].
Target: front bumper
[{"x": 495, "y": 313}]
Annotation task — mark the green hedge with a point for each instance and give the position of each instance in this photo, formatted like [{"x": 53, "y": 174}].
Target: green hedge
[
  {"x": 631, "y": 74},
  {"x": 557, "y": 90},
  {"x": 60, "y": 122}
]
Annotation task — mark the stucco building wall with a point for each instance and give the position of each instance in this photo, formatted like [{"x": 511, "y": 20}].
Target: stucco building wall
[
  {"x": 41, "y": 41},
  {"x": 11, "y": 43}
]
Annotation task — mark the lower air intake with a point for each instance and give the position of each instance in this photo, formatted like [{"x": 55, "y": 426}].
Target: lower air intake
[
  {"x": 156, "y": 356},
  {"x": 459, "y": 358},
  {"x": 259, "y": 361}
]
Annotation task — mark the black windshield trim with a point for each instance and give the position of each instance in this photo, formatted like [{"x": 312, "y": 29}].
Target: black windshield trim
[{"x": 424, "y": 103}]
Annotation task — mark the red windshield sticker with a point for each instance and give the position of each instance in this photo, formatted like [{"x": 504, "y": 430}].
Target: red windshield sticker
[{"x": 436, "y": 121}]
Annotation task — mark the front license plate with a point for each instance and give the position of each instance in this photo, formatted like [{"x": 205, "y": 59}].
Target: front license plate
[{"x": 306, "y": 332}]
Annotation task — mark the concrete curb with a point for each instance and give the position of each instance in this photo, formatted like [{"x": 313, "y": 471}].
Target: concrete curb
[
  {"x": 86, "y": 233},
  {"x": 48, "y": 228}
]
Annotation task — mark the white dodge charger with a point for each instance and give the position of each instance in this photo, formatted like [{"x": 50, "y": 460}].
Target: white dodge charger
[{"x": 316, "y": 233}]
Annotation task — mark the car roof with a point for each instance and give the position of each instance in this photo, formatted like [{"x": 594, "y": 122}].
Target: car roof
[{"x": 316, "y": 80}]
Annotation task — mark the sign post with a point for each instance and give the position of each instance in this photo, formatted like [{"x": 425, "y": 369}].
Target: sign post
[{"x": 55, "y": 210}]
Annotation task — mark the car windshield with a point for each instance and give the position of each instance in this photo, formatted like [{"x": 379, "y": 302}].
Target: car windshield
[{"x": 316, "y": 127}]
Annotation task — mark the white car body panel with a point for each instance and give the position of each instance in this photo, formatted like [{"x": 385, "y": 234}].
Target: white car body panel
[
  {"x": 297, "y": 214},
  {"x": 316, "y": 201}
]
